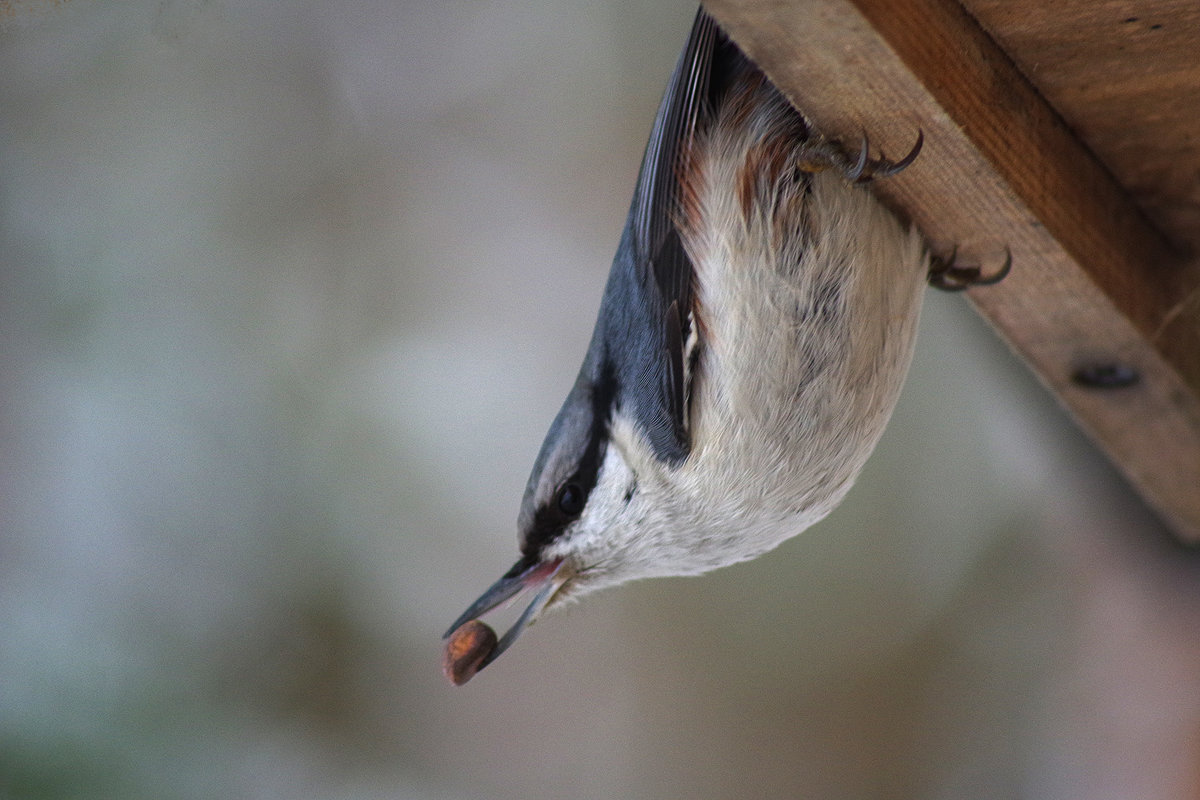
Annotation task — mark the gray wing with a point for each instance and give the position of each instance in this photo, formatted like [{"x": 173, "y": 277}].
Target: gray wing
[
  {"x": 682, "y": 105},
  {"x": 651, "y": 262},
  {"x": 635, "y": 360}
]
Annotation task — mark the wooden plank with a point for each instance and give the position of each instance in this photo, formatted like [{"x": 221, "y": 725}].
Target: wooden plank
[
  {"x": 1126, "y": 78},
  {"x": 1094, "y": 284}
]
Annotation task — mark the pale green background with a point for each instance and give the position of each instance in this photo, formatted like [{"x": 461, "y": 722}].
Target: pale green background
[{"x": 289, "y": 294}]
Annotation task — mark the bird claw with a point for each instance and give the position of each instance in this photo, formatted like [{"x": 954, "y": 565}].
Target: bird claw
[
  {"x": 868, "y": 169},
  {"x": 855, "y": 173},
  {"x": 944, "y": 274}
]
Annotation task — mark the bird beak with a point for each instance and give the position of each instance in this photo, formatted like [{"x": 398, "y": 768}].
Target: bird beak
[{"x": 543, "y": 578}]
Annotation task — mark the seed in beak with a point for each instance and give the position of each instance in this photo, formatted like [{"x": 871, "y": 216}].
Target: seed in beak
[{"x": 467, "y": 650}]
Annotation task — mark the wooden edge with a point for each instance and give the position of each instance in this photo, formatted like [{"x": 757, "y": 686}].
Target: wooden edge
[{"x": 1093, "y": 284}]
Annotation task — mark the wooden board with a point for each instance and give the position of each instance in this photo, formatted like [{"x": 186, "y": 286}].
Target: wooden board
[
  {"x": 1097, "y": 289},
  {"x": 1126, "y": 78}
]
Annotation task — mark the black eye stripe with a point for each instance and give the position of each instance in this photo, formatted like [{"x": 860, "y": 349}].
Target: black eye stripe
[{"x": 550, "y": 518}]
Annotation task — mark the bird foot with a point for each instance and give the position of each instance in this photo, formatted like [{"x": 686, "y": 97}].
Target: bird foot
[
  {"x": 867, "y": 169},
  {"x": 948, "y": 276}
]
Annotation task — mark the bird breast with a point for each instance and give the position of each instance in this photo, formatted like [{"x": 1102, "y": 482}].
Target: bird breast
[{"x": 807, "y": 297}]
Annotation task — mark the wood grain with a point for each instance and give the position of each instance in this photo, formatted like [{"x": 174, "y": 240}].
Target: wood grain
[
  {"x": 1126, "y": 78},
  {"x": 1094, "y": 282}
]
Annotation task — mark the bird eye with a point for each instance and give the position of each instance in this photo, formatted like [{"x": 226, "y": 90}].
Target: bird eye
[{"x": 570, "y": 499}]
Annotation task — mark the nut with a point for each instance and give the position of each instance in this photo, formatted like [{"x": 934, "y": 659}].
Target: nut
[{"x": 466, "y": 650}]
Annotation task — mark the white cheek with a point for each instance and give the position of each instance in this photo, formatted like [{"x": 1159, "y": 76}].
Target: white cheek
[{"x": 614, "y": 504}]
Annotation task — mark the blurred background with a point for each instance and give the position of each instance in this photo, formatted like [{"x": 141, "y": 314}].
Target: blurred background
[{"x": 289, "y": 294}]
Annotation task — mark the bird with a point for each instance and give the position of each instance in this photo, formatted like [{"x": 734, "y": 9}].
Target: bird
[{"x": 752, "y": 340}]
